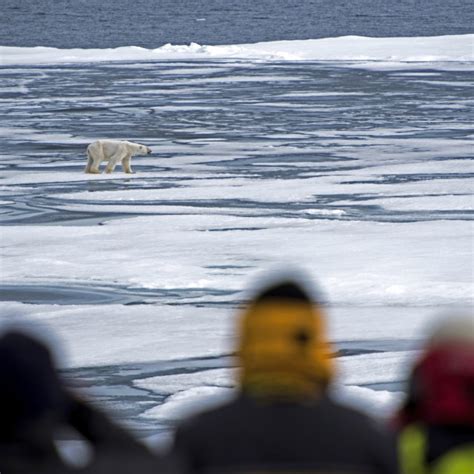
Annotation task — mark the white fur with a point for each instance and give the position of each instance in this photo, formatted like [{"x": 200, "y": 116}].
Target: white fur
[{"x": 113, "y": 151}]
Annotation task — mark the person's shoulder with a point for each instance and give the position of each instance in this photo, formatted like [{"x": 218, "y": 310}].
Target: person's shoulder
[
  {"x": 344, "y": 408},
  {"x": 353, "y": 417},
  {"x": 212, "y": 416}
]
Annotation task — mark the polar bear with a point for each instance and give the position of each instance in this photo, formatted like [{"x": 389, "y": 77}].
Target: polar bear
[{"x": 113, "y": 151}]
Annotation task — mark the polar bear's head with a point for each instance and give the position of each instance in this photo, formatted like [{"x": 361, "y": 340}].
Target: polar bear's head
[{"x": 144, "y": 149}]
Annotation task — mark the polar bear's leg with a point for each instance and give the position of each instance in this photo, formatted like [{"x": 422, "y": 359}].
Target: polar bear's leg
[
  {"x": 93, "y": 163},
  {"x": 126, "y": 164},
  {"x": 110, "y": 167},
  {"x": 94, "y": 168},
  {"x": 89, "y": 164},
  {"x": 113, "y": 161}
]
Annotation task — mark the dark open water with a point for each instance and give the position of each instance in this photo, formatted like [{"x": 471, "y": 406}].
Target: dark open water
[{"x": 148, "y": 23}]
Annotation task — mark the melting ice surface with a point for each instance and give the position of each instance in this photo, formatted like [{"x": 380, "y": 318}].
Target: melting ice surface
[{"x": 348, "y": 157}]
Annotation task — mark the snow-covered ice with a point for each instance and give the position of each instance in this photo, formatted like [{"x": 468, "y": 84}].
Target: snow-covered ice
[{"x": 348, "y": 48}]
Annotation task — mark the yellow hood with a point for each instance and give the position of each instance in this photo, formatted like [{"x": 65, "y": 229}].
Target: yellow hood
[{"x": 283, "y": 348}]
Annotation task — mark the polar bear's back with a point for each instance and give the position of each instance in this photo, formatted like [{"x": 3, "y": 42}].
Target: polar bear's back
[{"x": 110, "y": 147}]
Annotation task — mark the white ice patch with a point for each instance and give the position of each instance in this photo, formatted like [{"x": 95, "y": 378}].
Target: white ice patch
[
  {"x": 189, "y": 402},
  {"x": 169, "y": 384},
  {"x": 347, "y": 48},
  {"x": 375, "y": 403},
  {"x": 428, "y": 262},
  {"x": 461, "y": 202},
  {"x": 194, "y": 71},
  {"x": 118, "y": 334},
  {"x": 378, "y": 367}
]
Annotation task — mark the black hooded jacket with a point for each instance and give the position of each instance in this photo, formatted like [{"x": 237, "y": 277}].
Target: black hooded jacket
[{"x": 257, "y": 436}]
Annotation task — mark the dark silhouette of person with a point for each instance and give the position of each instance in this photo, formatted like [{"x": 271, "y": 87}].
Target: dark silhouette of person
[
  {"x": 283, "y": 418},
  {"x": 34, "y": 404}
]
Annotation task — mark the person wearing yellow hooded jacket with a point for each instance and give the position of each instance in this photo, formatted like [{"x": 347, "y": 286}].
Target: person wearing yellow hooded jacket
[{"x": 283, "y": 418}]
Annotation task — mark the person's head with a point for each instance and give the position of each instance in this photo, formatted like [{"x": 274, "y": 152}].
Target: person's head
[
  {"x": 32, "y": 395},
  {"x": 283, "y": 348},
  {"x": 441, "y": 385}
]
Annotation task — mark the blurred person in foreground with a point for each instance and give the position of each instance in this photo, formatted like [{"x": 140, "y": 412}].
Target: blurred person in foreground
[
  {"x": 34, "y": 405},
  {"x": 436, "y": 422},
  {"x": 283, "y": 419}
]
